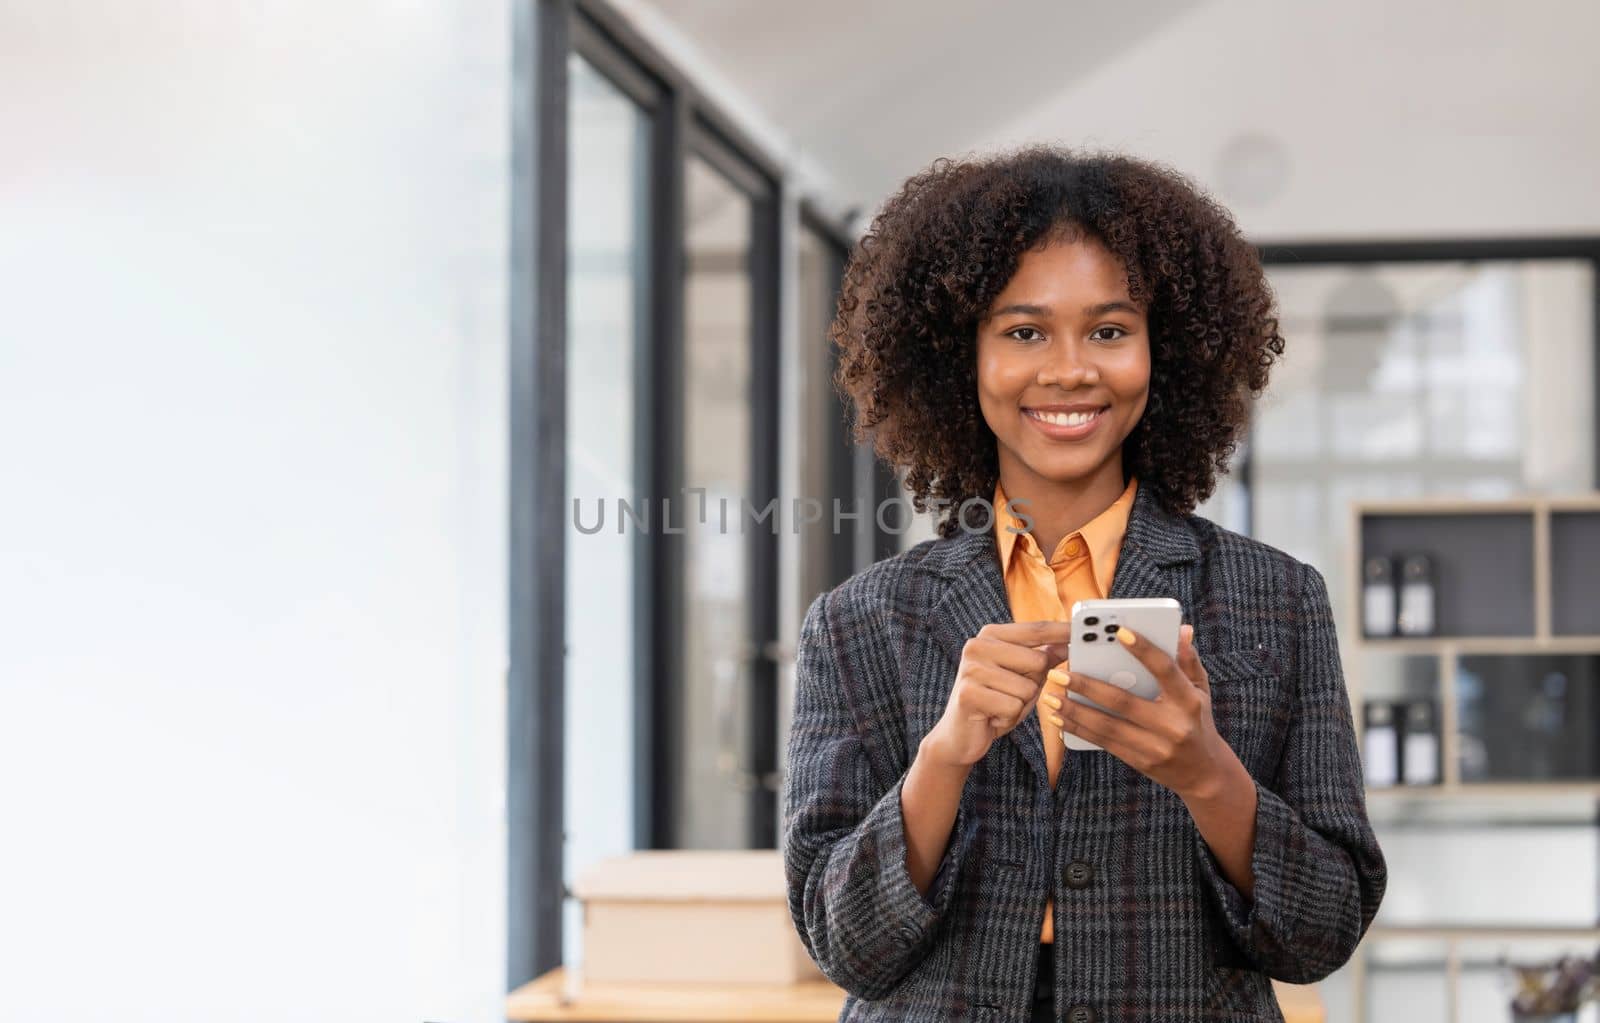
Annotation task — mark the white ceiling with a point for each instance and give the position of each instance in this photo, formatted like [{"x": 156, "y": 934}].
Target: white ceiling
[
  {"x": 1358, "y": 119},
  {"x": 874, "y": 89}
]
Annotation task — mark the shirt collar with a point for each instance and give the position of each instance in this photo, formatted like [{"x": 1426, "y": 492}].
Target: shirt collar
[{"x": 1103, "y": 534}]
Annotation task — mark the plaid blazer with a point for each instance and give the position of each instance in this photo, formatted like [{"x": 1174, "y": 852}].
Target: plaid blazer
[{"x": 1157, "y": 933}]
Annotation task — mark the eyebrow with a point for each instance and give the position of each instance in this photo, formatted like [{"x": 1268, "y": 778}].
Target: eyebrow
[{"x": 1030, "y": 309}]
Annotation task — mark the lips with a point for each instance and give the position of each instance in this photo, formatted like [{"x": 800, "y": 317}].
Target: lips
[{"x": 1064, "y": 426}]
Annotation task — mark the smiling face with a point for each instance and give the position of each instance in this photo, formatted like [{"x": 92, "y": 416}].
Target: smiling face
[{"x": 1063, "y": 370}]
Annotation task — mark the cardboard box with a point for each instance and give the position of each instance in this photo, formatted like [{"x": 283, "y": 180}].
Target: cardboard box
[{"x": 691, "y": 916}]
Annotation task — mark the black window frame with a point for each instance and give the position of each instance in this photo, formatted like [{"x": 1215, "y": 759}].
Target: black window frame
[
  {"x": 683, "y": 121},
  {"x": 708, "y": 140},
  {"x": 854, "y": 472}
]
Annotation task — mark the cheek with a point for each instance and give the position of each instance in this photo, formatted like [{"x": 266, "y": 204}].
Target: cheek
[
  {"x": 1000, "y": 378},
  {"x": 989, "y": 378},
  {"x": 1134, "y": 385},
  {"x": 1130, "y": 375}
]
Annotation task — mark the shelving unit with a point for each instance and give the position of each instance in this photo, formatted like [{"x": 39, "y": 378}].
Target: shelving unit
[{"x": 1514, "y": 579}]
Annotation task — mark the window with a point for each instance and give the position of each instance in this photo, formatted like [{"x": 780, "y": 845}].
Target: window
[{"x": 608, "y": 245}]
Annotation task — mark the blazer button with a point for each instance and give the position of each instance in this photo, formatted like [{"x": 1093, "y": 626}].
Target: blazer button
[
  {"x": 908, "y": 936},
  {"x": 1079, "y": 874},
  {"x": 1080, "y": 1014}
]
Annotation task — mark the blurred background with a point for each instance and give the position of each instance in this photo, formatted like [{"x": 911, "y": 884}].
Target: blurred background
[{"x": 316, "y": 318}]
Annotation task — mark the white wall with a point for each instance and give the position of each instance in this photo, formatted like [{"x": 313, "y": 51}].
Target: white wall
[{"x": 252, "y": 431}]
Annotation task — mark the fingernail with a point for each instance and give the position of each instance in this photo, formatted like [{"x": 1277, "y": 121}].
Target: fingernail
[
  {"x": 1125, "y": 636},
  {"x": 1056, "y": 720},
  {"x": 1059, "y": 676},
  {"x": 1051, "y": 701}
]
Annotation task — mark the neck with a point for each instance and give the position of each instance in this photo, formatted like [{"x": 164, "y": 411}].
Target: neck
[{"x": 1060, "y": 507}]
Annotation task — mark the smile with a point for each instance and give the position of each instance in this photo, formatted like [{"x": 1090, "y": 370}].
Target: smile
[{"x": 1065, "y": 425}]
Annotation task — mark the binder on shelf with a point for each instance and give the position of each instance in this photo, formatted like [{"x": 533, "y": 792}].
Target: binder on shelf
[
  {"x": 1417, "y": 614},
  {"x": 1380, "y": 743},
  {"x": 1419, "y": 742},
  {"x": 1378, "y": 599}
]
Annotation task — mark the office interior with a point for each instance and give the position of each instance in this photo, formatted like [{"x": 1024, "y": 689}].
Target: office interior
[{"x": 315, "y": 702}]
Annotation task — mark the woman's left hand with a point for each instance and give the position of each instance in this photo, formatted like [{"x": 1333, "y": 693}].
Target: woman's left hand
[{"x": 1173, "y": 739}]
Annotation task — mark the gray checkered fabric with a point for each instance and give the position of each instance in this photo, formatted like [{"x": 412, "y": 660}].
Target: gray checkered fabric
[{"x": 1158, "y": 933}]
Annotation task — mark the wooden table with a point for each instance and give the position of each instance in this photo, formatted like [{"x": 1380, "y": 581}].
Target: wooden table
[{"x": 819, "y": 1001}]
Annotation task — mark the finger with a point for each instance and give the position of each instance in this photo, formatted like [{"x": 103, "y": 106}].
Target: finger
[
  {"x": 1029, "y": 634},
  {"x": 1002, "y": 703},
  {"x": 1174, "y": 683},
  {"x": 1120, "y": 738},
  {"x": 994, "y": 704},
  {"x": 1113, "y": 698},
  {"x": 1004, "y": 681},
  {"x": 1056, "y": 652},
  {"x": 1050, "y": 704},
  {"x": 1189, "y": 661},
  {"x": 1059, "y": 677},
  {"x": 1023, "y": 660}
]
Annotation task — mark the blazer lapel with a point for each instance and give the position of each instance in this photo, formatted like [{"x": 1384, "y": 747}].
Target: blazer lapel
[
  {"x": 1155, "y": 541},
  {"x": 974, "y": 591}
]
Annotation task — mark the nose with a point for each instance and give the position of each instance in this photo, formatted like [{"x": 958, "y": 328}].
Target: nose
[{"x": 1066, "y": 367}]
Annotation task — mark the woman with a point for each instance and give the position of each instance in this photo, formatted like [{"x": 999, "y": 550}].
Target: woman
[{"x": 1060, "y": 349}]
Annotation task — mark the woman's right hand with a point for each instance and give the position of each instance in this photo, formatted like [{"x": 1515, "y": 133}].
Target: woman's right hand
[{"x": 1002, "y": 671}]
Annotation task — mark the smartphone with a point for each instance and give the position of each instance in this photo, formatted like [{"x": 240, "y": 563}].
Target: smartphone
[{"x": 1095, "y": 652}]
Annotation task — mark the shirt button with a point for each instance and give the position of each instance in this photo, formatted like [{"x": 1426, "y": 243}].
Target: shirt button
[
  {"x": 1080, "y": 1014},
  {"x": 1074, "y": 547},
  {"x": 1079, "y": 874}
]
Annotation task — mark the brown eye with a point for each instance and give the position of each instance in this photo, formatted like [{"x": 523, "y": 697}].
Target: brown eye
[
  {"x": 1120, "y": 333},
  {"x": 1014, "y": 333}
]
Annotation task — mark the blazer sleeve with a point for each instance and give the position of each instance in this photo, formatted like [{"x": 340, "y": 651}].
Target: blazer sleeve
[
  {"x": 1318, "y": 872},
  {"x": 857, "y": 912}
]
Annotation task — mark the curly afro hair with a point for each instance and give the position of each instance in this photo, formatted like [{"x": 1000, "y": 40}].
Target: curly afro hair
[{"x": 943, "y": 248}]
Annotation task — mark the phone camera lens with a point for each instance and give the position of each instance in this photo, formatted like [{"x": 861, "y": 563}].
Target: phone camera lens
[
  {"x": 1111, "y": 630},
  {"x": 1092, "y": 620},
  {"x": 1090, "y": 637}
]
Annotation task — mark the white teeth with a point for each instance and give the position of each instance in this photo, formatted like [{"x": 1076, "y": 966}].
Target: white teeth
[{"x": 1064, "y": 418}]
